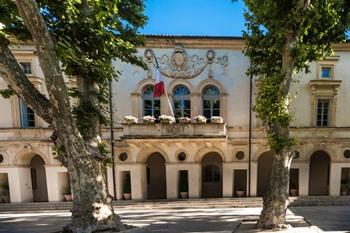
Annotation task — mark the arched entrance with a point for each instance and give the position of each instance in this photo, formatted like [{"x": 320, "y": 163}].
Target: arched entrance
[
  {"x": 212, "y": 175},
  {"x": 38, "y": 177},
  {"x": 319, "y": 174},
  {"x": 156, "y": 177},
  {"x": 264, "y": 172}
]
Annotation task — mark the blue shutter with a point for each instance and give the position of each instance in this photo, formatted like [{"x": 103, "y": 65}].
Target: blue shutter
[{"x": 24, "y": 114}]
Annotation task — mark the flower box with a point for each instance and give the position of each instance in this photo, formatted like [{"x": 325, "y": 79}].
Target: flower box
[
  {"x": 130, "y": 119},
  {"x": 165, "y": 119},
  {"x": 216, "y": 119},
  {"x": 148, "y": 119},
  {"x": 200, "y": 119},
  {"x": 184, "y": 120}
]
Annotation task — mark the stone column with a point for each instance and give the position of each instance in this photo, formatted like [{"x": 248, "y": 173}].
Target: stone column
[
  {"x": 138, "y": 176},
  {"x": 335, "y": 179},
  {"x": 196, "y": 105},
  {"x": 223, "y": 106},
  {"x": 20, "y": 184},
  {"x": 303, "y": 179},
  {"x": 172, "y": 181},
  {"x": 227, "y": 180},
  {"x": 55, "y": 182},
  {"x": 110, "y": 181},
  {"x": 135, "y": 105},
  {"x": 253, "y": 178},
  {"x": 194, "y": 181}
]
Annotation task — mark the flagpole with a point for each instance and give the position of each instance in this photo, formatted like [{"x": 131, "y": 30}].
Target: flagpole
[{"x": 166, "y": 93}]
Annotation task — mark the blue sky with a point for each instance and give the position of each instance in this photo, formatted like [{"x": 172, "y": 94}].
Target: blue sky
[{"x": 194, "y": 17}]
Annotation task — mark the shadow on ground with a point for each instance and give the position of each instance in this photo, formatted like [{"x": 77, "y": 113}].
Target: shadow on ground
[{"x": 326, "y": 218}]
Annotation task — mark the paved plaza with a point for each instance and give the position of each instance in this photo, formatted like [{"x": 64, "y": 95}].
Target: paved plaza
[{"x": 189, "y": 220}]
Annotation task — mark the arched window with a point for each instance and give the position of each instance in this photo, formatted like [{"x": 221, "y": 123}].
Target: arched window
[
  {"x": 211, "y": 101},
  {"x": 151, "y": 105},
  {"x": 182, "y": 102}
]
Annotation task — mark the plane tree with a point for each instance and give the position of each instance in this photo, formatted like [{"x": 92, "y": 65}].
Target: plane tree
[
  {"x": 74, "y": 39},
  {"x": 282, "y": 37}
]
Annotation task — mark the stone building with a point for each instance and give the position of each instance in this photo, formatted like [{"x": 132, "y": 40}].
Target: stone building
[{"x": 202, "y": 76}]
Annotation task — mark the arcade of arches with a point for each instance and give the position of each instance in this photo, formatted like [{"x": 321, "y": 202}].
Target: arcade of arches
[
  {"x": 154, "y": 176},
  {"x": 211, "y": 177}
]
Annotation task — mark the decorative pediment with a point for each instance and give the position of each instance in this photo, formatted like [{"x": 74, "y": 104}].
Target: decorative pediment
[{"x": 181, "y": 65}]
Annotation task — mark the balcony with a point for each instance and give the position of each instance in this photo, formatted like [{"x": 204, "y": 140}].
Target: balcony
[
  {"x": 25, "y": 134},
  {"x": 190, "y": 130}
]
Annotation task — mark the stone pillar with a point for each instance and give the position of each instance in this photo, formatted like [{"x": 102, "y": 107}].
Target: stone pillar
[
  {"x": 138, "y": 182},
  {"x": 196, "y": 105},
  {"x": 172, "y": 181},
  {"x": 223, "y": 106},
  {"x": 335, "y": 179},
  {"x": 135, "y": 105},
  {"x": 20, "y": 184},
  {"x": 194, "y": 181},
  {"x": 55, "y": 182},
  {"x": 253, "y": 178},
  {"x": 110, "y": 181},
  {"x": 303, "y": 179},
  {"x": 227, "y": 180},
  {"x": 138, "y": 178}
]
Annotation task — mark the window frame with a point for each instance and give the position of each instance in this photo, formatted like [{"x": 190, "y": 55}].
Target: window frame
[
  {"x": 30, "y": 67},
  {"x": 150, "y": 97},
  {"x": 211, "y": 99},
  {"x": 182, "y": 99},
  {"x": 27, "y": 115},
  {"x": 323, "y": 100}
]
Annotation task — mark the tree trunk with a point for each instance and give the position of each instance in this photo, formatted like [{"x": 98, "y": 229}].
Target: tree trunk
[{"x": 275, "y": 203}]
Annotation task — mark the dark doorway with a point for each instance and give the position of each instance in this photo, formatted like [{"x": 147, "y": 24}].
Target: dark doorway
[
  {"x": 240, "y": 182},
  {"x": 38, "y": 177},
  {"x": 212, "y": 175},
  {"x": 264, "y": 172},
  {"x": 156, "y": 177},
  {"x": 294, "y": 182},
  {"x": 319, "y": 174}
]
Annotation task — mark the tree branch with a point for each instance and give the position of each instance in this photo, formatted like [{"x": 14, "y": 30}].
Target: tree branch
[
  {"x": 12, "y": 73},
  {"x": 45, "y": 46}
]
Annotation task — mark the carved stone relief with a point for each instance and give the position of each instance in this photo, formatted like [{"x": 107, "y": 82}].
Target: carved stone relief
[{"x": 181, "y": 65}]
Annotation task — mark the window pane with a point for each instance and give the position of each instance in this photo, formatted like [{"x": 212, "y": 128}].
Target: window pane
[
  {"x": 206, "y": 104},
  {"x": 156, "y": 104},
  {"x": 26, "y": 67},
  {"x": 187, "y": 104},
  {"x": 326, "y": 72},
  {"x": 216, "y": 103},
  {"x": 148, "y": 104},
  {"x": 148, "y": 91},
  {"x": 187, "y": 113},
  {"x": 207, "y": 114},
  {"x": 177, "y": 113},
  {"x": 147, "y": 112},
  {"x": 181, "y": 91},
  {"x": 177, "y": 104},
  {"x": 211, "y": 90},
  {"x": 216, "y": 112}
]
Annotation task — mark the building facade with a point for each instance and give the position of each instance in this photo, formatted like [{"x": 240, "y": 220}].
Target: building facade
[{"x": 202, "y": 76}]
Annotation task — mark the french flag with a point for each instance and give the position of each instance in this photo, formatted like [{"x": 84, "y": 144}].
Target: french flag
[{"x": 158, "y": 89}]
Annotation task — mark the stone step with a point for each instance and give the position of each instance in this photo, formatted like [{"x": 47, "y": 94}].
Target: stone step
[{"x": 181, "y": 204}]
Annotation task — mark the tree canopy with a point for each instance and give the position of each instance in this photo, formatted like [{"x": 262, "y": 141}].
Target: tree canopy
[{"x": 316, "y": 25}]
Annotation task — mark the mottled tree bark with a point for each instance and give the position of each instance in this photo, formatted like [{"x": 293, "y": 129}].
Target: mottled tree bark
[{"x": 92, "y": 209}]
